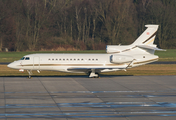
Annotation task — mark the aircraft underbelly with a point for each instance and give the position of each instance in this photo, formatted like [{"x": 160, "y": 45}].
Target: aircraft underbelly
[{"x": 82, "y": 68}]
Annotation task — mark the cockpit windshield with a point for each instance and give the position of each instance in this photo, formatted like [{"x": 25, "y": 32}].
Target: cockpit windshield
[
  {"x": 22, "y": 58},
  {"x": 25, "y": 58}
]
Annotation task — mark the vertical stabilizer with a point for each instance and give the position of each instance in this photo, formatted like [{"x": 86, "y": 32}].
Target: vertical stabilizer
[
  {"x": 144, "y": 41},
  {"x": 148, "y": 36}
]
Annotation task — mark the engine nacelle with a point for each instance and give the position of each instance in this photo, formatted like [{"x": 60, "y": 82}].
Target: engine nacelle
[
  {"x": 112, "y": 49},
  {"x": 121, "y": 59},
  {"x": 117, "y": 48}
]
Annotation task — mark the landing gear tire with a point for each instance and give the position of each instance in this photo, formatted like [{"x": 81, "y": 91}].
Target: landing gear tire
[
  {"x": 29, "y": 77},
  {"x": 98, "y": 76},
  {"x": 89, "y": 73}
]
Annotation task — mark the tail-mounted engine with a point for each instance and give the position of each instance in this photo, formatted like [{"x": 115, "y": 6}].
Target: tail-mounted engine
[{"x": 121, "y": 59}]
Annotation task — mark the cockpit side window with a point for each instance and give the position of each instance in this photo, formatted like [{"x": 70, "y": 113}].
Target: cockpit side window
[
  {"x": 22, "y": 58},
  {"x": 27, "y": 58}
]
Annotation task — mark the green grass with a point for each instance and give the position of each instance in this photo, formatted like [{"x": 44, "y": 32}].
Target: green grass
[
  {"x": 150, "y": 69},
  {"x": 169, "y": 55}
]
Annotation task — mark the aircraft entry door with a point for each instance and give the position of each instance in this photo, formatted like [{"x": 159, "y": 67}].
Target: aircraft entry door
[{"x": 36, "y": 63}]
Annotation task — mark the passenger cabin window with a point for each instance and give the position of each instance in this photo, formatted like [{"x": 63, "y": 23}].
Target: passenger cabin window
[
  {"x": 27, "y": 58},
  {"x": 65, "y": 59}
]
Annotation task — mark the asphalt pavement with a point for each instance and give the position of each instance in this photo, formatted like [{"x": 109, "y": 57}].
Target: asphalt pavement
[{"x": 82, "y": 98}]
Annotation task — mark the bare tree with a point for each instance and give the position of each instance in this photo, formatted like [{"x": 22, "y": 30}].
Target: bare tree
[
  {"x": 164, "y": 15},
  {"x": 2, "y": 16},
  {"x": 113, "y": 13},
  {"x": 78, "y": 19},
  {"x": 36, "y": 15},
  {"x": 19, "y": 30}
]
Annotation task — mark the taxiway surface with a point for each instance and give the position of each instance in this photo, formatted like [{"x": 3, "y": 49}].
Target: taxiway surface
[{"x": 110, "y": 97}]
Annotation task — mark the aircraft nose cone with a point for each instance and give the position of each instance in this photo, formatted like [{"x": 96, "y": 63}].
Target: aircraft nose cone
[{"x": 10, "y": 65}]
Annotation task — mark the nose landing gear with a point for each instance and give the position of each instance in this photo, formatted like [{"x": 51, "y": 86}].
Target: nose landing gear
[{"x": 30, "y": 73}]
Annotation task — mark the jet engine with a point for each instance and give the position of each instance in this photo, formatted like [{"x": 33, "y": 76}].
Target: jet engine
[
  {"x": 112, "y": 49},
  {"x": 120, "y": 59}
]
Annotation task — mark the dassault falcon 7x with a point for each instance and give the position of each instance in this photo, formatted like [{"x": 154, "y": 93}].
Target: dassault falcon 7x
[{"x": 118, "y": 57}]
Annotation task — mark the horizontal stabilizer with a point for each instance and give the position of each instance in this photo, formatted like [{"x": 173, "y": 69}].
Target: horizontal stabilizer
[{"x": 150, "y": 47}]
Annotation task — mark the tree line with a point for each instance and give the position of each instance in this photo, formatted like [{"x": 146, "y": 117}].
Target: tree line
[{"x": 29, "y": 25}]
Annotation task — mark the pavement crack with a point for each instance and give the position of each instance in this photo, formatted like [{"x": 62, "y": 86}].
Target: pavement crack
[{"x": 52, "y": 98}]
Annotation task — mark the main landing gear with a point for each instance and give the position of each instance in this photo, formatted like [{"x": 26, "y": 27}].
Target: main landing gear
[{"x": 93, "y": 74}]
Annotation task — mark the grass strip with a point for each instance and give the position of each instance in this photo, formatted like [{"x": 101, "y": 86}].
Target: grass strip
[
  {"x": 168, "y": 55},
  {"x": 150, "y": 69}
]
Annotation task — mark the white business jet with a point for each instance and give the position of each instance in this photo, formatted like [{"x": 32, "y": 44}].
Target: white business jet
[{"x": 118, "y": 57}]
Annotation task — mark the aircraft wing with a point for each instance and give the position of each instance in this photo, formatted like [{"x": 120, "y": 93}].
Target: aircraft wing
[
  {"x": 94, "y": 68},
  {"x": 99, "y": 69},
  {"x": 150, "y": 47}
]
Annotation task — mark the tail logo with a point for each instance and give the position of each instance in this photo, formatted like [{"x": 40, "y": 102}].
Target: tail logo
[
  {"x": 149, "y": 38},
  {"x": 148, "y": 33}
]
